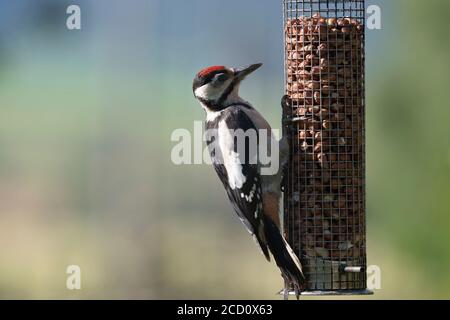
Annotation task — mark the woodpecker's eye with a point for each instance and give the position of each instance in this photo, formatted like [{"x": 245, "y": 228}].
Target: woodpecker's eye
[{"x": 221, "y": 77}]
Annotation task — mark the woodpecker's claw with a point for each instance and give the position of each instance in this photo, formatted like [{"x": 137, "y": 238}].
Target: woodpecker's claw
[{"x": 286, "y": 104}]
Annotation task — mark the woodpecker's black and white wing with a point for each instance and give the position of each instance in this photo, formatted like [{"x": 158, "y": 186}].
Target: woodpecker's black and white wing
[{"x": 233, "y": 145}]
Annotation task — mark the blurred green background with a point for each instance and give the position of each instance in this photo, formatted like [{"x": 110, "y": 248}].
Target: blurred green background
[{"x": 85, "y": 170}]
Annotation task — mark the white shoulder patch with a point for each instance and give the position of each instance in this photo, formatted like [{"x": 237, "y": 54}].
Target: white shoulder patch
[{"x": 236, "y": 178}]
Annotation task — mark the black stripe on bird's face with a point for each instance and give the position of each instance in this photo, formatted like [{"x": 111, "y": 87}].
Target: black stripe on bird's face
[{"x": 218, "y": 104}]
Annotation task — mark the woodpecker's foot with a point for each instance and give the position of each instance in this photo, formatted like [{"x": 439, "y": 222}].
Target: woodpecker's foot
[
  {"x": 286, "y": 102},
  {"x": 286, "y": 105}
]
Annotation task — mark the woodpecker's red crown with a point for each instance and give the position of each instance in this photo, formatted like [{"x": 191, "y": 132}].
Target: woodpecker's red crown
[{"x": 205, "y": 72}]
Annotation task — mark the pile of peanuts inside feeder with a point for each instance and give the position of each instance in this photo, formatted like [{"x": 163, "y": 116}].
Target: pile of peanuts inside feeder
[{"x": 325, "y": 83}]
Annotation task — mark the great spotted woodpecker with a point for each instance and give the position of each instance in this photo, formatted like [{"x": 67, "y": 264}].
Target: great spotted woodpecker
[{"x": 254, "y": 196}]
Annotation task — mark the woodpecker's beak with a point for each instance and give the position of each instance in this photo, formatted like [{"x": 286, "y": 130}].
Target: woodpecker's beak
[{"x": 241, "y": 73}]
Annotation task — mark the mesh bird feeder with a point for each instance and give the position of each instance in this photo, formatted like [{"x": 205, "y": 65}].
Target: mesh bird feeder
[{"x": 324, "y": 202}]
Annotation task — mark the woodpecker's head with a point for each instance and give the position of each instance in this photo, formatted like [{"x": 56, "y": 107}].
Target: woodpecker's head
[{"x": 217, "y": 87}]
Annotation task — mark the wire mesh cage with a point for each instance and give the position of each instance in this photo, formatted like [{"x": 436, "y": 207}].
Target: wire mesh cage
[{"x": 324, "y": 203}]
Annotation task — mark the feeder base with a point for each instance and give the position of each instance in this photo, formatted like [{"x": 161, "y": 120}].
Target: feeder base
[{"x": 318, "y": 293}]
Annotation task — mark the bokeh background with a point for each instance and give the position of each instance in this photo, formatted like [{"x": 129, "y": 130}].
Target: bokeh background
[{"x": 85, "y": 171}]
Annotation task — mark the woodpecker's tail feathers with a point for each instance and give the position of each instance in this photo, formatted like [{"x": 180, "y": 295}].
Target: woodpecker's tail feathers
[
  {"x": 262, "y": 245},
  {"x": 285, "y": 257}
]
